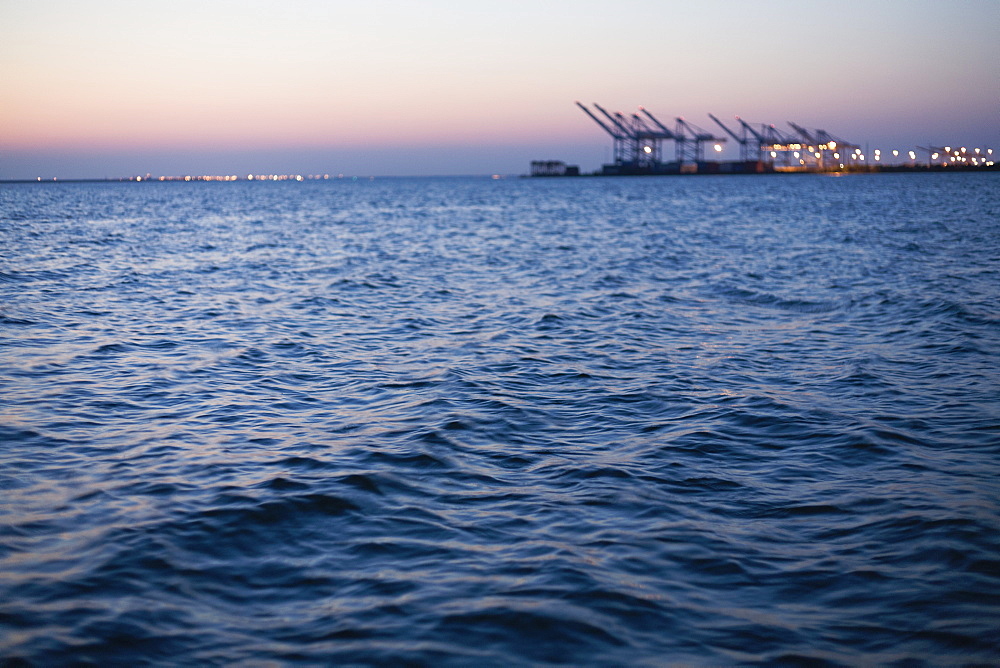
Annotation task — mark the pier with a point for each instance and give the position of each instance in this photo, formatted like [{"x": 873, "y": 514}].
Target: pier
[{"x": 638, "y": 141}]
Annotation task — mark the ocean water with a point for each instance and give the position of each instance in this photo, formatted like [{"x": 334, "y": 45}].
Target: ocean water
[{"x": 705, "y": 421}]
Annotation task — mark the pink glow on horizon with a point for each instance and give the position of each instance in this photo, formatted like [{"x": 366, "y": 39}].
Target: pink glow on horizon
[{"x": 115, "y": 75}]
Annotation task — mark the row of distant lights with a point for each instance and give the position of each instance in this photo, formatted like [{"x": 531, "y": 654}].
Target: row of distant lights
[
  {"x": 233, "y": 177},
  {"x": 977, "y": 158}
]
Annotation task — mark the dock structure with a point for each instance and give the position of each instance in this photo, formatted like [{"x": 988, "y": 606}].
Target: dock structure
[
  {"x": 638, "y": 146},
  {"x": 553, "y": 168},
  {"x": 638, "y": 142}
]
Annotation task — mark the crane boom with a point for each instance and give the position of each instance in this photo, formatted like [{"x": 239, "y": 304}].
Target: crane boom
[
  {"x": 728, "y": 131},
  {"x": 749, "y": 128},
  {"x": 598, "y": 121},
  {"x": 697, "y": 133},
  {"x": 617, "y": 123},
  {"x": 805, "y": 133},
  {"x": 669, "y": 134}
]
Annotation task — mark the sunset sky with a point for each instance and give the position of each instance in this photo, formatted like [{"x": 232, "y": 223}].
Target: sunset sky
[{"x": 389, "y": 87}]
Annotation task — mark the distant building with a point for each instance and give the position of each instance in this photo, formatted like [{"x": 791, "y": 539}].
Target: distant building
[{"x": 553, "y": 168}]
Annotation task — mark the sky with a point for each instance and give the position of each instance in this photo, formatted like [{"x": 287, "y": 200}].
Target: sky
[{"x": 110, "y": 88}]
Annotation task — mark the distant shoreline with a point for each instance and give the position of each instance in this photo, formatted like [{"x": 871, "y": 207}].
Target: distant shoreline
[{"x": 880, "y": 170}]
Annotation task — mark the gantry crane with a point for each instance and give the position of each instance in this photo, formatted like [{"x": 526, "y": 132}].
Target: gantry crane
[
  {"x": 637, "y": 145},
  {"x": 749, "y": 149},
  {"x": 756, "y": 142},
  {"x": 647, "y": 140},
  {"x": 689, "y": 138},
  {"x": 822, "y": 146},
  {"x": 691, "y": 141}
]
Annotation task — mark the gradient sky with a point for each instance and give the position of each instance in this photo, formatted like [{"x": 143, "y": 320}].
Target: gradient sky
[{"x": 388, "y": 87}]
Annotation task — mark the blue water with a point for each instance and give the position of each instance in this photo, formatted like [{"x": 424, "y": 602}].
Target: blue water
[{"x": 720, "y": 420}]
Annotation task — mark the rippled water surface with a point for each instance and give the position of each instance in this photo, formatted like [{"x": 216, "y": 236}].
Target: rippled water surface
[{"x": 475, "y": 422}]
